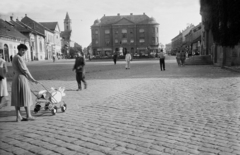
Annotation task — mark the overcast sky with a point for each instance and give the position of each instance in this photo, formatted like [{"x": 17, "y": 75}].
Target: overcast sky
[{"x": 172, "y": 15}]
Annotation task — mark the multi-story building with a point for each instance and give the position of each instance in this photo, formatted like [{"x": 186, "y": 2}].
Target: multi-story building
[
  {"x": 168, "y": 48},
  {"x": 180, "y": 40},
  {"x": 39, "y": 46},
  {"x": 30, "y": 33},
  {"x": 122, "y": 33},
  {"x": 53, "y": 40},
  {"x": 10, "y": 38},
  {"x": 193, "y": 40}
]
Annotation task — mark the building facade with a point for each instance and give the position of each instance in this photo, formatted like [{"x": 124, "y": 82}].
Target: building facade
[
  {"x": 39, "y": 43},
  {"x": 10, "y": 38},
  {"x": 134, "y": 33}
]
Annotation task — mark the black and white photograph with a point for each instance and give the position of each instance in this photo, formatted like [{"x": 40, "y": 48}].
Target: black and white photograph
[{"x": 120, "y": 77}]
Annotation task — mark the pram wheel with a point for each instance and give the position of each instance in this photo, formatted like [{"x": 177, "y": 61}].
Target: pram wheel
[
  {"x": 54, "y": 111},
  {"x": 64, "y": 107},
  {"x": 37, "y": 108}
]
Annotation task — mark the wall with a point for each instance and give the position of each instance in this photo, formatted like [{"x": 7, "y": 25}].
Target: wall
[{"x": 12, "y": 46}]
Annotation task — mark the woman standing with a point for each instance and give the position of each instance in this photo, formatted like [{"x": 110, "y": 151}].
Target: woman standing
[
  {"x": 21, "y": 94},
  {"x": 3, "y": 82}
]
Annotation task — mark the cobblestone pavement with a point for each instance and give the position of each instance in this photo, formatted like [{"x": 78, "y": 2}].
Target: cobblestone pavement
[{"x": 135, "y": 116}]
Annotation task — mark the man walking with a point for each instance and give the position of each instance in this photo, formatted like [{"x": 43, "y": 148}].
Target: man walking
[
  {"x": 182, "y": 57},
  {"x": 162, "y": 60},
  {"x": 115, "y": 58},
  {"x": 79, "y": 67}
]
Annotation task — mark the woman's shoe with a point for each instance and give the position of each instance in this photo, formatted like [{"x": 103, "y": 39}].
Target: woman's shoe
[{"x": 31, "y": 119}]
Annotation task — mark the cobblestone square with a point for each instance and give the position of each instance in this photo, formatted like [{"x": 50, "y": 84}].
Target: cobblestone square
[{"x": 191, "y": 110}]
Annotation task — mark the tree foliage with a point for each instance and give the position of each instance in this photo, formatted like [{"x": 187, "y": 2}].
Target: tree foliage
[{"x": 225, "y": 21}]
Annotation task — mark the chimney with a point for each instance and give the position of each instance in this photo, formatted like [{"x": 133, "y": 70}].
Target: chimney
[
  {"x": 104, "y": 15},
  {"x": 118, "y": 14},
  {"x": 11, "y": 17},
  {"x": 25, "y": 15},
  {"x": 131, "y": 14},
  {"x": 143, "y": 13}
]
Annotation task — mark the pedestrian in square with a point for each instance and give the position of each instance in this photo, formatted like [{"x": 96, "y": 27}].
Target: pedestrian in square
[
  {"x": 21, "y": 94},
  {"x": 178, "y": 58},
  {"x": 128, "y": 58},
  {"x": 162, "y": 60},
  {"x": 115, "y": 58},
  {"x": 3, "y": 82},
  {"x": 182, "y": 57},
  {"x": 79, "y": 68}
]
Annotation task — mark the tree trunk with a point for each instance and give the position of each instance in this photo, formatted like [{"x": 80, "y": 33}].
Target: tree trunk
[{"x": 224, "y": 56}]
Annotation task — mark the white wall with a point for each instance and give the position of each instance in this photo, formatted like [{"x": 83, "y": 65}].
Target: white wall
[{"x": 12, "y": 46}]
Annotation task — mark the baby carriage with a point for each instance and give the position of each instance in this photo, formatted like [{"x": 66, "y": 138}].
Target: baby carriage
[{"x": 50, "y": 100}]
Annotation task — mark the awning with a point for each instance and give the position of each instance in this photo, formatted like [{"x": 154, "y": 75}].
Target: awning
[{"x": 196, "y": 40}]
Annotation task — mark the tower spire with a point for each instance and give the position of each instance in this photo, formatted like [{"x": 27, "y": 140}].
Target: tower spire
[{"x": 67, "y": 23}]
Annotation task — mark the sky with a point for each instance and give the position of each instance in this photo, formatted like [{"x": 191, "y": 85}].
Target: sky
[{"x": 172, "y": 15}]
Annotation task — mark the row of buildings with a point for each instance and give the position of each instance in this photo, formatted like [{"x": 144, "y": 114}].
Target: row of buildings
[
  {"x": 43, "y": 39},
  {"x": 137, "y": 34},
  {"x": 198, "y": 40}
]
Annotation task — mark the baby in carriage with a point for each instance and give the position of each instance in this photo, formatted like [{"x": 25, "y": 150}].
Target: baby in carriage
[{"x": 54, "y": 95}]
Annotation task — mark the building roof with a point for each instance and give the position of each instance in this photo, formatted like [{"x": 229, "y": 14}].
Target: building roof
[
  {"x": 8, "y": 30},
  {"x": 66, "y": 35},
  {"x": 136, "y": 19},
  {"x": 50, "y": 25},
  {"x": 34, "y": 25},
  {"x": 67, "y": 17}
]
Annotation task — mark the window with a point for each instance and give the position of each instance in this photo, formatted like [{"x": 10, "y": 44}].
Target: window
[
  {"x": 124, "y": 30},
  {"x": 40, "y": 44},
  {"x": 116, "y": 41},
  {"x": 96, "y": 41},
  {"x": 124, "y": 35},
  {"x": 124, "y": 41},
  {"x": 157, "y": 39},
  {"x": 153, "y": 40},
  {"x": 116, "y": 32},
  {"x": 141, "y": 30},
  {"x": 141, "y": 40},
  {"x": 107, "y": 31},
  {"x": 96, "y": 31},
  {"x": 107, "y": 42},
  {"x": 131, "y": 41},
  {"x": 153, "y": 30},
  {"x": 157, "y": 29}
]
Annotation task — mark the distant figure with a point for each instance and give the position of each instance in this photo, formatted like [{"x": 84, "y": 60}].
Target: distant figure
[
  {"x": 11, "y": 58},
  {"x": 53, "y": 58},
  {"x": 162, "y": 60},
  {"x": 178, "y": 58},
  {"x": 128, "y": 58},
  {"x": 79, "y": 68},
  {"x": 182, "y": 57},
  {"x": 3, "y": 82},
  {"x": 115, "y": 58}
]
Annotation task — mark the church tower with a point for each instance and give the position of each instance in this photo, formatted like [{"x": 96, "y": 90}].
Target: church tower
[{"x": 67, "y": 23}]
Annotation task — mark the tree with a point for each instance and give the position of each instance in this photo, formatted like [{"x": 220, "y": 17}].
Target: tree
[{"x": 224, "y": 22}]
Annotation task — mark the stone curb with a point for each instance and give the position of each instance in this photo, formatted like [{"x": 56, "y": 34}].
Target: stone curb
[{"x": 232, "y": 69}]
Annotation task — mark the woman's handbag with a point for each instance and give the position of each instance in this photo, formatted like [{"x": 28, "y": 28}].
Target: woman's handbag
[{"x": 2, "y": 74}]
